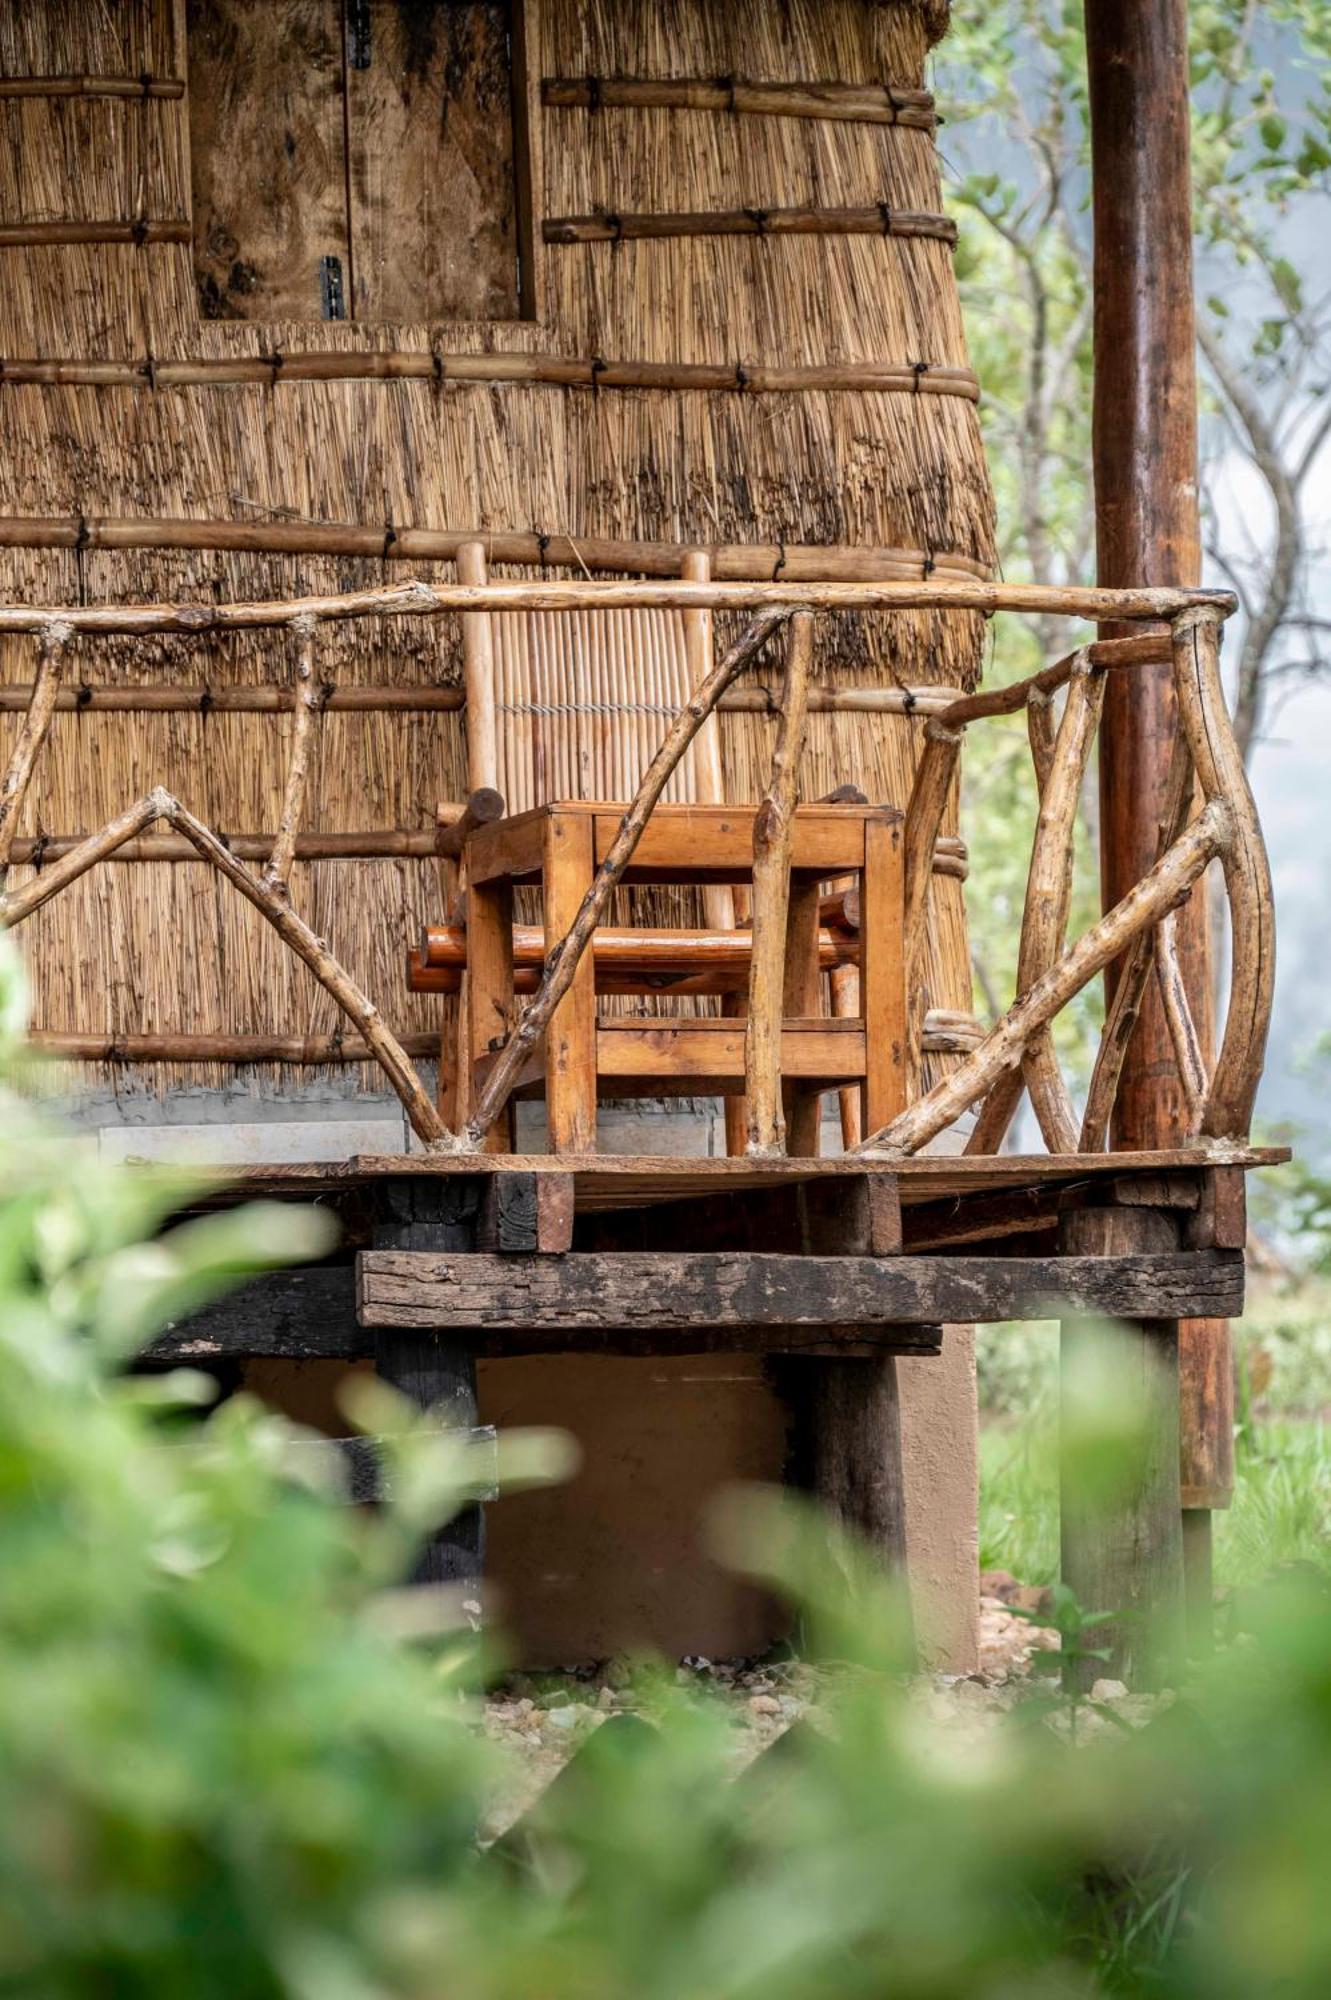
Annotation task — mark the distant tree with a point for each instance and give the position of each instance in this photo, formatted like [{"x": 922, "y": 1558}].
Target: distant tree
[{"x": 1011, "y": 82}]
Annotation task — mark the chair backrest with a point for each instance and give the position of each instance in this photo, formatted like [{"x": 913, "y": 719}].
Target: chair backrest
[{"x": 573, "y": 705}]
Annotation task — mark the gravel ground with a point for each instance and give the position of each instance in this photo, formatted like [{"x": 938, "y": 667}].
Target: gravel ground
[{"x": 543, "y": 1718}]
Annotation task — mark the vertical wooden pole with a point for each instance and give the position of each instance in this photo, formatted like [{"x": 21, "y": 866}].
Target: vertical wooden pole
[
  {"x": 437, "y": 1371},
  {"x": 458, "y": 1040},
  {"x": 883, "y": 972},
  {"x": 772, "y": 830},
  {"x": 718, "y": 898},
  {"x": 1147, "y": 532},
  {"x": 1122, "y": 1524},
  {"x": 488, "y": 1015}
]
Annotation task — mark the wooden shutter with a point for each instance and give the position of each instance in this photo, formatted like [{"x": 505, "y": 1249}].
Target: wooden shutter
[{"x": 353, "y": 159}]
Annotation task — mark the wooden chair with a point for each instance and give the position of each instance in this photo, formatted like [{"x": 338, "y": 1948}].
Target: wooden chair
[{"x": 565, "y": 711}]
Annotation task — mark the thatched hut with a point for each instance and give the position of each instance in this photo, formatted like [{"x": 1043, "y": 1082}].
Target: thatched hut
[{"x": 301, "y": 297}]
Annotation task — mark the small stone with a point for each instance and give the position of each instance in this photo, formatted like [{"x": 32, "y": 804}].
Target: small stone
[
  {"x": 764, "y": 1704},
  {"x": 565, "y": 1718},
  {"x": 1108, "y": 1691},
  {"x": 606, "y": 1698},
  {"x": 525, "y": 1706}
]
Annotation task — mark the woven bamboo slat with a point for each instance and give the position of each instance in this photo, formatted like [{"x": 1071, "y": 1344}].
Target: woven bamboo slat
[
  {"x": 880, "y": 220},
  {"x": 859, "y": 103},
  {"x": 144, "y": 88},
  {"x": 730, "y": 562},
  {"x": 437, "y": 367}
]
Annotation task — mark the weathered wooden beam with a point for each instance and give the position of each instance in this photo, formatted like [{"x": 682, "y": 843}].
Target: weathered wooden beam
[
  {"x": 850, "y": 1296},
  {"x": 310, "y": 1315}
]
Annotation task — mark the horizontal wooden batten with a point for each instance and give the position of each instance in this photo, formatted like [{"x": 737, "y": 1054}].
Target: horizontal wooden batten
[
  {"x": 299, "y": 1051},
  {"x": 91, "y": 86},
  {"x": 732, "y": 562},
  {"x": 417, "y": 598},
  {"x": 393, "y": 843},
  {"x": 424, "y": 364},
  {"x": 666, "y": 1292},
  {"x": 942, "y": 1036},
  {"x": 269, "y": 700},
  {"x": 41, "y": 235},
  {"x": 880, "y": 220},
  {"x": 852, "y": 103},
  {"x": 381, "y": 844}
]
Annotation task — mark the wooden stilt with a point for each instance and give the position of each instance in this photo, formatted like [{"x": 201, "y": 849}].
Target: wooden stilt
[
  {"x": 1122, "y": 1537},
  {"x": 436, "y": 1370}
]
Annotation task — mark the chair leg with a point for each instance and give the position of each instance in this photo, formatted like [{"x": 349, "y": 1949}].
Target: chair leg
[
  {"x": 801, "y": 999},
  {"x": 570, "y": 1059},
  {"x": 486, "y": 1012}
]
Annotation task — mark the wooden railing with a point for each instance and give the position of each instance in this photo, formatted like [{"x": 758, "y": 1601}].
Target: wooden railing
[{"x": 1017, "y": 1053}]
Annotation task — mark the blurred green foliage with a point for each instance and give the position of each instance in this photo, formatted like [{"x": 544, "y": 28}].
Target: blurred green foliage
[{"x": 225, "y": 1771}]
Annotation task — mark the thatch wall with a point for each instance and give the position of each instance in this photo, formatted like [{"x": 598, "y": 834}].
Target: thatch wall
[{"x": 138, "y": 948}]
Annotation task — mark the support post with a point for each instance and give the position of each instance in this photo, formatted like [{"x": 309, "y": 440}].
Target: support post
[
  {"x": 436, "y": 1370},
  {"x": 1122, "y": 1523},
  {"x": 1147, "y": 529}
]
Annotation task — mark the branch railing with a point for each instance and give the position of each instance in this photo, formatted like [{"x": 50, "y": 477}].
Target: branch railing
[{"x": 1017, "y": 1053}]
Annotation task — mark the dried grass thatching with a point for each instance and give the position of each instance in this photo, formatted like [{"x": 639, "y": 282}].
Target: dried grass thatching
[{"x": 138, "y": 947}]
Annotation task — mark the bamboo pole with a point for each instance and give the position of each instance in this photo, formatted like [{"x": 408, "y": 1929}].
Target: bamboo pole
[
  {"x": 1182, "y": 1028},
  {"x": 731, "y": 561},
  {"x": 565, "y": 957},
  {"x": 278, "y": 868},
  {"x": 296, "y": 935},
  {"x": 335, "y": 980},
  {"x": 1002, "y": 1048},
  {"x": 41, "y": 707},
  {"x": 1044, "y": 917},
  {"x": 1220, "y": 771},
  {"x": 880, "y": 220},
  {"x": 1135, "y": 968},
  {"x": 386, "y": 844},
  {"x": 1141, "y": 649},
  {"x": 17, "y": 904},
  {"x": 924, "y": 814},
  {"x": 478, "y": 676},
  {"x": 858, "y": 103},
  {"x": 144, "y": 87},
  {"x": 294, "y": 1051},
  {"x": 368, "y": 699},
  {"x": 420, "y": 599},
  {"x": 718, "y": 899},
  {"x": 425, "y": 364},
  {"x": 772, "y": 828},
  {"x": 1049, "y": 894},
  {"x": 40, "y": 235},
  {"x": 1041, "y": 734}
]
